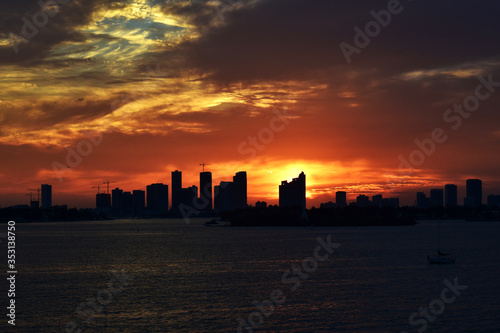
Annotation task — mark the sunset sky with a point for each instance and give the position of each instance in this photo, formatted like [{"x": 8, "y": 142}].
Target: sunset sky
[{"x": 163, "y": 85}]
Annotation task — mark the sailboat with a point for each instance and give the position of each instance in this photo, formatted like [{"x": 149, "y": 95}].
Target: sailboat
[{"x": 441, "y": 257}]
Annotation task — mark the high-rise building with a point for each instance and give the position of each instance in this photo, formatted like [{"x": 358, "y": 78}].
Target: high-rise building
[
  {"x": 117, "y": 202},
  {"x": 157, "y": 198},
  {"x": 437, "y": 197},
  {"x": 46, "y": 196},
  {"x": 127, "y": 204},
  {"x": 116, "y": 198},
  {"x": 341, "y": 199},
  {"x": 240, "y": 179},
  {"x": 422, "y": 200},
  {"x": 450, "y": 195},
  {"x": 293, "y": 193},
  {"x": 189, "y": 196},
  {"x": 225, "y": 197},
  {"x": 474, "y": 195},
  {"x": 103, "y": 200},
  {"x": 377, "y": 200},
  {"x": 176, "y": 190},
  {"x": 139, "y": 197},
  {"x": 363, "y": 200},
  {"x": 205, "y": 190}
]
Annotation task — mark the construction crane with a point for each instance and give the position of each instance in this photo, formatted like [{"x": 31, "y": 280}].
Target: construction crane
[
  {"x": 37, "y": 190},
  {"x": 107, "y": 182},
  {"x": 97, "y": 187},
  {"x": 203, "y": 165}
]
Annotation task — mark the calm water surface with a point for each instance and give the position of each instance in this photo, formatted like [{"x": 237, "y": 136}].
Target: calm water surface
[{"x": 191, "y": 278}]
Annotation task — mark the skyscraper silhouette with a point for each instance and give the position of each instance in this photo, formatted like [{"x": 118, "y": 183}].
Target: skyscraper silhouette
[
  {"x": 377, "y": 200},
  {"x": 474, "y": 195},
  {"x": 240, "y": 180},
  {"x": 189, "y": 197},
  {"x": 450, "y": 195},
  {"x": 117, "y": 205},
  {"x": 206, "y": 190},
  {"x": 139, "y": 197},
  {"x": 157, "y": 198},
  {"x": 437, "y": 197},
  {"x": 176, "y": 190},
  {"x": 422, "y": 200},
  {"x": 225, "y": 197},
  {"x": 103, "y": 200},
  {"x": 293, "y": 193},
  {"x": 46, "y": 196},
  {"x": 363, "y": 200},
  {"x": 341, "y": 199}
]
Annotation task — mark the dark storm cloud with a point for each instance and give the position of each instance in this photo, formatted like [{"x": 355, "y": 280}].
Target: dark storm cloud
[
  {"x": 57, "y": 28},
  {"x": 297, "y": 39}
]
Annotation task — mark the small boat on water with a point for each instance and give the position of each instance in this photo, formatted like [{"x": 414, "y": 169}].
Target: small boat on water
[{"x": 441, "y": 257}]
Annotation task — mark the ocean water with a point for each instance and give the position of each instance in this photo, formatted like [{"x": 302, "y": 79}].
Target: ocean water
[{"x": 192, "y": 278}]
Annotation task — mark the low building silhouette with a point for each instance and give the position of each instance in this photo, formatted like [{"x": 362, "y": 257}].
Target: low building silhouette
[{"x": 103, "y": 201}]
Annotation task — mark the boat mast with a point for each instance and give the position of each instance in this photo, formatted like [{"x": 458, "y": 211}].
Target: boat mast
[{"x": 439, "y": 236}]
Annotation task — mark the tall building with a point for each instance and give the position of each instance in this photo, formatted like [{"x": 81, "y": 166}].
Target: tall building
[
  {"x": 117, "y": 204},
  {"x": 139, "y": 198},
  {"x": 341, "y": 199},
  {"x": 474, "y": 193},
  {"x": 46, "y": 196},
  {"x": 450, "y": 195},
  {"x": 240, "y": 179},
  {"x": 377, "y": 200},
  {"x": 437, "y": 197},
  {"x": 226, "y": 197},
  {"x": 157, "y": 198},
  {"x": 176, "y": 189},
  {"x": 127, "y": 204},
  {"x": 103, "y": 200},
  {"x": 206, "y": 190},
  {"x": 422, "y": 200},
  {"x": 293, "y": 193},
  {"x": 189, "y": 196},
  {"x": 362, "y": 200}
]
